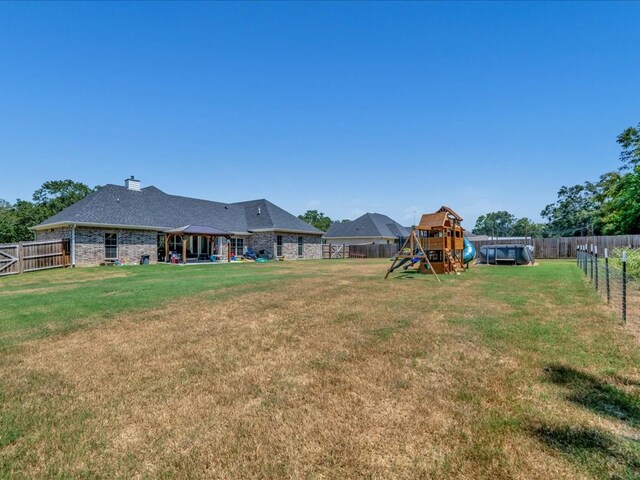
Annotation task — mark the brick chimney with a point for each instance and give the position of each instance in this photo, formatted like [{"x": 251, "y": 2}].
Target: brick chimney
[{"x": 132, "y": 184}]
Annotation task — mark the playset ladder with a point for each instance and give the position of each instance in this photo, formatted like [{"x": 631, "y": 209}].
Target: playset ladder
[{"x": 453, "y": 262}]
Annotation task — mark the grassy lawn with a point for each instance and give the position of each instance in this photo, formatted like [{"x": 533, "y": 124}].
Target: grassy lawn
[{"x": 316, "y": 369}]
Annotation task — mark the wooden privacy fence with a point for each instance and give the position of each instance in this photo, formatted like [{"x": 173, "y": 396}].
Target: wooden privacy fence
[
  {"x": 553, "y": 247},
  {"x": 330, "y": 250},
  {"x": 373, "y": 251},
  {"x": 31, "y": 256},
  {"x": 567, "y": 247}
]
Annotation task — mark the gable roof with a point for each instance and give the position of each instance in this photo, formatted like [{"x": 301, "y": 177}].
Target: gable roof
[
  {"x": 431, "y": 220},
  {"x": 151, "y": 208},
  {"x": 262, "y": 215},
  {"x": 368, "y": 225},
  {"x": 450, "y": 211}
]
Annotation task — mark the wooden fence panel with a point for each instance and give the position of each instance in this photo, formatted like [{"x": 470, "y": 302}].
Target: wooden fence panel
[
  {"x": 32, "y": 256},
  {"x": 566, "y": 247},
  {"x": 373, "y": 250},
  {"x": 44, "y": 255}
]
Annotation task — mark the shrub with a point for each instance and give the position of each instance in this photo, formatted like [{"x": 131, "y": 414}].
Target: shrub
[{"x": 633, "y": 260}]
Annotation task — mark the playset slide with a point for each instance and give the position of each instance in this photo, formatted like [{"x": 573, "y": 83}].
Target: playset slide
[{"x": 469, "y": 252}]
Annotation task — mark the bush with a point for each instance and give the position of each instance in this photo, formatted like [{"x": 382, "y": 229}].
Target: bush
[{"x": 633, "y": 260}]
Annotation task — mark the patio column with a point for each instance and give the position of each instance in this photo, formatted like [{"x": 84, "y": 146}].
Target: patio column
[
  {"x": 184, "y": 249},
  {"x": 167, "y": 249}
]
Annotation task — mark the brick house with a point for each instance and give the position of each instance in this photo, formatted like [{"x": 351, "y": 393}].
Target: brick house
[
  {"x": 128, "y": 222},
  {"x": 370, "y": 228}
]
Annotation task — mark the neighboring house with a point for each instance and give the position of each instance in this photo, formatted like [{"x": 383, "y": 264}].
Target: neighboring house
[
  {"x": 368, "y": 229},
  {"x": 129, "y": 222}
]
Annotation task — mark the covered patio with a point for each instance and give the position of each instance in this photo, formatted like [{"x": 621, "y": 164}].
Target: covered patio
[{"x": 184, "y": 255}]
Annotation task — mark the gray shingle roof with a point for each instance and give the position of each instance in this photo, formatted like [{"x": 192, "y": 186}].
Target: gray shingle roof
[
  {"x": 152, "y": 208},
  {"x": 368, "y": 225}
]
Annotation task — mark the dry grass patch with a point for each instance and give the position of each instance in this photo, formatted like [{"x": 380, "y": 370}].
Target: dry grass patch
[{"x": 336, "y": 375}]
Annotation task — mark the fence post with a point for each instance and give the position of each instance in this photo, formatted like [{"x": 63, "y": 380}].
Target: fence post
[
  {"x": 606, "y": 271},
  {"x": 586, "y": 260},
  {"x": 578, "y": 256},
  {"x": 596, "y": 267},
  {"x": 20, "y": 257},
  {"x": 624, "y": 287},
  {"x": 591, "y": 262}
]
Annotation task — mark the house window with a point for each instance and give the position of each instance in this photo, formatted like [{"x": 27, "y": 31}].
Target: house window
[
  {"x": 175, "y": 244},
  {"x": 279, "y": 245},
  {"x": 300, "y": 246},
  {"x": 110, "y": 246},
  {"x": 237, "y": 246}
]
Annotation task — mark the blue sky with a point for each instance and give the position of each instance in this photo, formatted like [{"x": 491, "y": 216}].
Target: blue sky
[{"x": 340, "y": 107}]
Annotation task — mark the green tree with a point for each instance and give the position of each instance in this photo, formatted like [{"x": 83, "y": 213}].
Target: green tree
[
  {"x": 7, "y": 222},
  {"x": 609, "y": 205},
  {"x": 496, "y": 224},
  {"x": 576, "y": 212},
  {"x": 51, "y": 198},
  {"x": 629, "y": 140},
  {"x": 621, "y": 210},
  {"x": 317, "y": 219},
  {"x": 525, "y": 227},
  {"x": 620, "y": 206},
  {"x": 27, "y": 215},
  {"x": 56, "y": 195}
]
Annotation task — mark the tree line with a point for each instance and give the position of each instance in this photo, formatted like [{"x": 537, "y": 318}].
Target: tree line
[
  {"x": 319, "y": 220},
  {"x": 52, "y": 197},
  {"x": 607, "y": 206}
]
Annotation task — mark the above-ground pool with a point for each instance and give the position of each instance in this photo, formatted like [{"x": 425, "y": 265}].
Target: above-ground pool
[{"x": 506, "y": 255}]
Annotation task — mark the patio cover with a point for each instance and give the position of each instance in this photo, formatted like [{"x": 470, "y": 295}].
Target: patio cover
[{"x": 203, "y": 230}]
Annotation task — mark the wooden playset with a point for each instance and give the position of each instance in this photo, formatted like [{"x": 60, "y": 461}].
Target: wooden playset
[{"x": 436, "y": 245}]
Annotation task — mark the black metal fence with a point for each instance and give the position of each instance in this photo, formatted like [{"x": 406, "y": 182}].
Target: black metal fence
[{"x": 609, "y": 278}]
